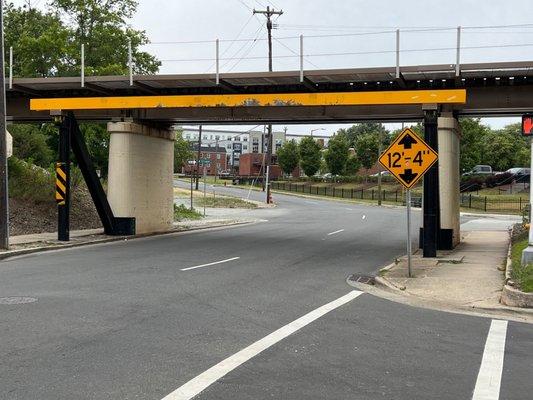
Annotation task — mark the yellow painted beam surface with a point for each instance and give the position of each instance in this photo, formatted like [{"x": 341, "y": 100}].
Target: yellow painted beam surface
[{"x": 453, "y": 96}]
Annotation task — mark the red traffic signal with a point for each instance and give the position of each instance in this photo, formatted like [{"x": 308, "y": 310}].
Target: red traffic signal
[{"x": 527, "y": 125}]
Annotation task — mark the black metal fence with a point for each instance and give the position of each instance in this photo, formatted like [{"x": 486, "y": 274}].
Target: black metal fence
[
  {"x": 486, "y": 203},
  {"x": 396, "y": 196},
  {"x": 470, "y": 201}
]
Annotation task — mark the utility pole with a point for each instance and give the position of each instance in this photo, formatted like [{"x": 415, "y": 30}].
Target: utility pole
[
  {"x": 269, "y": 13},
  {"x": 198, "y": 156},
  {"x": 216, "y": 163},
  {"x": 4, "y": 197},
  {"x": 380, "y": 145}
]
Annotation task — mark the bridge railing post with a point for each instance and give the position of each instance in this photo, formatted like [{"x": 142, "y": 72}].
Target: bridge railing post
[
  {"x": 301, "y": 58},
  {"x": 458, "y": 54},
  {"x": 397, "y": 54},
  {"x": 82, "y": 65},
  {"x": 130, "y": 61},
  {"x": 11, "y": 67},
  {"x": 217, "y": 61}
]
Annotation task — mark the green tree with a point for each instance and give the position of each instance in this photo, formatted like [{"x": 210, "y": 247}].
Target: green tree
[
  {"x": 474, "y": 138},
  {"x": 48, "y": 43},
  {"x": 40, "y": 41},
  {"x": 30, "y": 144},
  {"x": 288, "y": 156},
  {"x": 353, "y": 165},
  {"x": 310, "y": 156},
  {"x": 507, "y": 148},
  {"x": 102, "y": 26},
  {"x": 182, "y": 152},
  {"x": 367, "y": 149},
  {"x": 337, "y": 155},
  {"x": 353, "y": 133},
  {"x": 97, "y": 139}
]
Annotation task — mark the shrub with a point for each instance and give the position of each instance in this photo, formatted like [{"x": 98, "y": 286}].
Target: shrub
[
  {"x": 30, "y": 182},
  {"x": 497, "y": 180},
  {"x": 472, "y": 183}
]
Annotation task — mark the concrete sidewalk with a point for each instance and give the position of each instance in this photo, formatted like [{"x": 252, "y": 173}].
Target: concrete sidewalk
[{"x": 470, "y": 276}]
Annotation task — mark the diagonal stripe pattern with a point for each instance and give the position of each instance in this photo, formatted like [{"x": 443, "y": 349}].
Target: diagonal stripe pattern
[{"x": 61, "y": 184}]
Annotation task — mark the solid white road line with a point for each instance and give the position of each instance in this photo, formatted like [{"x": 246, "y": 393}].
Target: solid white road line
[
  {"x": 490, "y": 372},
  {"x": 334, "y": 233},
  {"x": 213, "y": 263},
  {"x": 213, "y": 374}
]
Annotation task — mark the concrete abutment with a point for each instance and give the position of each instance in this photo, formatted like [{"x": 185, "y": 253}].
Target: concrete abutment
[
  {"x": 449, "y": 180},
  {"x": 140, "y": 182}
]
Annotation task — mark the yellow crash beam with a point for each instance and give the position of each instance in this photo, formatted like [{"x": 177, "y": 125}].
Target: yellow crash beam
[{"x": 454, "y": 96}]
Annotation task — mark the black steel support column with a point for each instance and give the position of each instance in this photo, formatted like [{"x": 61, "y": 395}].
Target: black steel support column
[
  {"x": 63, "y": 207},
  {"x": 431, "y": 189}
]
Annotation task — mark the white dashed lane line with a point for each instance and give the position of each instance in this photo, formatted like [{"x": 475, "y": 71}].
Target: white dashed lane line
[
  {"x": 336, "y": 232},
  {"x": 210, "y": 264}
]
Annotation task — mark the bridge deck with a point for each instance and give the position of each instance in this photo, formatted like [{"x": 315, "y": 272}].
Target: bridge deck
[{"x": 493, "y": 88}]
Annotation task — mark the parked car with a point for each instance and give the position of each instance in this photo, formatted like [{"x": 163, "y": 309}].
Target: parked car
[
  {"x": 480, "y": 170},
  {"x": 383, "y": 173},
  {"x": 520, "y": 175}
]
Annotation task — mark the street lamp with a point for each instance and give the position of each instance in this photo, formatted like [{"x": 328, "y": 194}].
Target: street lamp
[{"x": 317, "y": 129}]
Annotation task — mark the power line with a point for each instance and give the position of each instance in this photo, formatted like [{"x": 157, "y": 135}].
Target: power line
[
  {"x": 294, "y": 52},
  {"x": 233, "y": 42},
  {"x": 245, "y": 52},
  {"x": 404, "y": 30},
  {"x": 502, "y": 46}
]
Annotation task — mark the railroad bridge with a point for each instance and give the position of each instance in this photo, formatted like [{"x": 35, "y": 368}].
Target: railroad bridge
[{"x": 140, "y": 111}]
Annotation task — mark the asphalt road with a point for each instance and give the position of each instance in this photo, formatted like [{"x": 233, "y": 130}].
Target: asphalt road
[{"x": 154, "y": 318}]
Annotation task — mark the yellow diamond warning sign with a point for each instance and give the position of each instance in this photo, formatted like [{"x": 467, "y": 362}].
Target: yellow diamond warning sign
[{"x": 408, "y": 158}]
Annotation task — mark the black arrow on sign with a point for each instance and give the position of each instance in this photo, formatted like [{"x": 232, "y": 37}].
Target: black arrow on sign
[
  {"x": 408, "y": 176},
  {"x": 407, "y": 141}
]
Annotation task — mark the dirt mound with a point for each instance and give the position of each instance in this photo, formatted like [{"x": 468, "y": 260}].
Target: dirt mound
[{"x": 28, "y": 216}]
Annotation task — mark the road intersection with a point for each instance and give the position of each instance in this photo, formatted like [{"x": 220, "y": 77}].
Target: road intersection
[{"x": 256, "y": 311}]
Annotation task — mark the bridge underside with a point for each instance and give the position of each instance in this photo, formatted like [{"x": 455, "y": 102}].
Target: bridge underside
[{"x": 493, "y": 89}]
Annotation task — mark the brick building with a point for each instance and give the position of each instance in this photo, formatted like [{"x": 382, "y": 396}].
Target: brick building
[
  {"x": 217, "y": 157},
  {"x": 251, "y": 163}
]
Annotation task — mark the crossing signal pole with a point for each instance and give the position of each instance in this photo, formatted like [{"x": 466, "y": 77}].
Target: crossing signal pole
[{"x": 269, "y": 13}]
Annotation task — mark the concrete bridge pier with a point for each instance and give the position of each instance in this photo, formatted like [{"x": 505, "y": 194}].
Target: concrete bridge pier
[
  {"x": 140, "y": 182},
  {"x": 449, "y": 181}
]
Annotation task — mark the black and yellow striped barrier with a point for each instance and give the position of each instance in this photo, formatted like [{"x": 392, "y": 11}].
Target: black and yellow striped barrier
[{"x": 61, "y": 184}]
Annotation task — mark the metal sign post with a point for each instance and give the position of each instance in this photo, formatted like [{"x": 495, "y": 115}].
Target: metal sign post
[
  {"x": 408, "y": 158},
  {"x": 409, "y": 248},
  {"x": 205, "y": 192},
  {"x": 267, "y": 183},
  {"x": 192, "y": 180}
]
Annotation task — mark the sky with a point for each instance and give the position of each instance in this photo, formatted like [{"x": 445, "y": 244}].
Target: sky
[{"x": 337, "y": 34}]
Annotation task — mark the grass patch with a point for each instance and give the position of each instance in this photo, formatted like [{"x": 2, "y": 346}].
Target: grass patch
[
  {"x": 523, "y": 275},
  {"x": 183, "y": 213},
  {"x": 224, "y": 202}
]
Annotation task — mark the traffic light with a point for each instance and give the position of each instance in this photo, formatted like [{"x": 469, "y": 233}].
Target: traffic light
[{"x": 527, "y": 125}]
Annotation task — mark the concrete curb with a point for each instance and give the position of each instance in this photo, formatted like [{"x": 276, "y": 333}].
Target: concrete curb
[
  {"x": 511, "y": 296},
  {"x": 509, "y": 310},
  {"x": 20, "y": 252}
]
